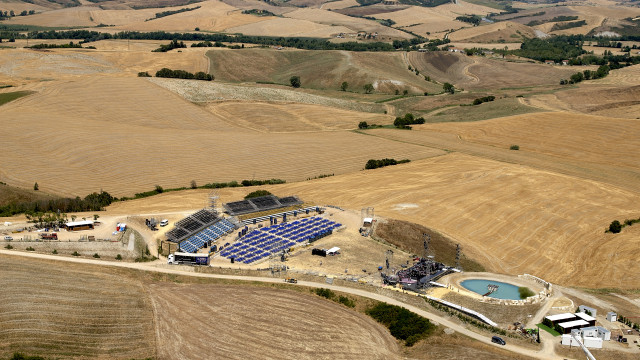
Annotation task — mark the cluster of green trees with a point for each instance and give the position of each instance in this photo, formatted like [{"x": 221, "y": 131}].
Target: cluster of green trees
[
  {"x": 295, "y": 81},
  {"x": 174, "y": 44},
  {"x": 525, "y": 292},
  {"x": 8, "y": 14},
  {"x": 258, "y": 12},
  {"x": 602, "y": 71},
  {"x": 568, "y": 25},
  {"x": 483, "y": 99},
  {"x": 56, "y": 46},
  {"x": 208, "y": 44},
  {"x": 257, "y": 193},
  {"x": 182, "y": 74},
  {"x": 555, "y": 19},
  {"x": 92, "y": 202},
  {"x": 407, "y": 44},
  {"x": 448, "y": 88},
  {"x": 404, "y": 122},
  {"x": 171, "y": 12},
  {"x": 374, "y": 164},
  {"x": 615, "y": 226},
  {"x": 628, "y": 322},
  {"x": 402, "y": 323},
  {"x": 471, "y": 19},
  {"x": 262, "y": 182},
  {"x": 556, "y": 48}
]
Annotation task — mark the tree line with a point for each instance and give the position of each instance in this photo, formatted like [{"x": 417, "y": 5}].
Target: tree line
[
  {"x": 374, "y": 164},
  {"x": 92, "y": 202},
  {"x": 404, "y": 122},
  {"x": 171, "y": 12},
  {"x": 182, "y": 74}
]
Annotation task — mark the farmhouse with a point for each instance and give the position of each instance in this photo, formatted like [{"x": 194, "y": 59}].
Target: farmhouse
[
  {"x": 549, "y": 62},
  {"x": 79, "y": 225}
]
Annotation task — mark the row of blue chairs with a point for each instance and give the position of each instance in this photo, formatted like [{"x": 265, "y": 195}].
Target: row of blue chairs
[
  {"x": 212, "y": 233},
  {"x": 260, "y": 243}
]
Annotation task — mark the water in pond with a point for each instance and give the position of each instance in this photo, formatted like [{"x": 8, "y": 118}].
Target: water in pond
[{"x": 505, "y": 291}]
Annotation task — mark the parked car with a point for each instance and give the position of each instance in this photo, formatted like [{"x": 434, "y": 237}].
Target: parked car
[
  {"x": 164, "y": 222},
  {"x": 8, "y": 238},
  {"x": 498, "y": 340}
]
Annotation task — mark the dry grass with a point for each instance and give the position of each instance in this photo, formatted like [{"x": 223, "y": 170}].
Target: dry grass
[
  {"x": 289, "y": 27},
  {"x": 507, "y": 31},
  {"x": 455, "y": 346},
  {"x": 320, "y": 70},
  {"x": 486, "y": 73},
  {"x": 72, "y": 311},
  {"x": 512, "y": 218},
  {"x": 269, "y": 323},
  {"x": 291, "y": 117},
  {"x": 11, "y": 194},
  {"x": 147, "y": 122}
]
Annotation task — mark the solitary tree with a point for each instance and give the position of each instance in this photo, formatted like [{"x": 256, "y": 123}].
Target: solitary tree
[
  {"x": 344, "y": 86},
  {"x": 368, "y": 88},
  {"x": 193, "y": 184},
  {"x": 615, "y": 226},
  {"x": 405, "y": 92},
  {"x": 363, "y": 125},
  {"x": 448, "y": 88},
  {"x": 36, "y": 187},
  {"x": 295, "y": 81}
]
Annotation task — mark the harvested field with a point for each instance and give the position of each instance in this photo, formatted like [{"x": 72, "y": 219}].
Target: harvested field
[
  {"x": 498, "y": 108},
  {"x": 485, "y": 73},
  {"x": 12, "y": 194},
  {"x": 269, "y": 323},
  {"x": 318, "y": 69},
  {"x": 289, "y": 27},
  {"x": 280, "y": 118},
  {"x": 326, "y": 17},
  {"x": 63, "y": 310},
  {"x": 459, "y": 347},
  {"x": 340, "y": 4},
  {"x": 355, "y": 10},
  {"x": 513, "y": 219},
  {"x": 160, "y": 128},
  {"x": 506, "y": 31}
]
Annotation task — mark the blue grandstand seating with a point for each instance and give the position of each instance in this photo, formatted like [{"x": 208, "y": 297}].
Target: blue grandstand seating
[
  {"x": 212, "y": 233},
  {"x": 261, "y": 243}
]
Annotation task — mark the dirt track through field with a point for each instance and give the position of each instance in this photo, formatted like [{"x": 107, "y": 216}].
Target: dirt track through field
[{"x": 359, "y": 292}]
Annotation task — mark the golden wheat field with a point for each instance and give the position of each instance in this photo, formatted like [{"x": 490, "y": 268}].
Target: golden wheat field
[
  {"x": 512, "y": 218},
  {"x": 127, "y": 134},
  {"x": 506, "y": 31}
]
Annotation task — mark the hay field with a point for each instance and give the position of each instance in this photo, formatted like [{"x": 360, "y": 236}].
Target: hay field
[
  {"x": 340, "y": 4},
  {"x": 569, "y": 136},
  {"x": 331, "y": 18},
  {"x": 71, "y": 311},
  {"x": 512, "y": 218},
  {"x": 485, "y": 73},
  {"x": 321, "y": 70},
  {"x": 506, "y": 31},
  {"x": 289, "y": 28},
  {"x": 292, "y": 117},
  {"x": 273, "y": 323},
  {"x": 156, "y": 137}
]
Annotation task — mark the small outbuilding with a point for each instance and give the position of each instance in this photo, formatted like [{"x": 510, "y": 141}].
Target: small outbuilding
[
  {"x": 79, "y": 225},
  {"x": 587, "y": 310},
  {"x": 611, "y": 316},
  {"x": 367, "y": 222}
]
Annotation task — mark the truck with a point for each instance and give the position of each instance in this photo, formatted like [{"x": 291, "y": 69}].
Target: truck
[
  {"x": 52, "y": 236},
  {"x": 179, "y": 258},
  {"x": 291, "y": 280}
]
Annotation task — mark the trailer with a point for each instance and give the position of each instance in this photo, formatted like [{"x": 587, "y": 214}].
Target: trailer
[
  {"x": 179, "y": 258},
  {"x": 52, "y": 236}
]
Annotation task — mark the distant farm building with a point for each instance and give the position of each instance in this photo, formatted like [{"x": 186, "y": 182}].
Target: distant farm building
[{"x": 79, "y": 225}]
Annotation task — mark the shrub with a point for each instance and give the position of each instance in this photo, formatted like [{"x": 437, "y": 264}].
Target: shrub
[
  {"x": 8, "y": 247},
  {"x": 514, "y": 147},
  {"x": 368, "y": 88},
  {"x": 54, "y": 251},
  {"x": 96, "y": 256},
  {"x": 30, "y": 249},
  {"x": 295, "y": 81},
  {"x": 363, "y": 125},
  {"x": 346, "y": 301},
  {"x": 36, "y": 187},
  {"x": 525, "y": 292},
  {"x": 325, "y": 293},
  {"x": 402, "y": 323},
  {"x": 403, "y": 122},
  {"x": 75, "y": 253},
  {"x": 118, "y": 257},
  {"x": 448, "y": 88},
  {"x": 257, "y": 193},
  {"x": 144, "y": 74},
  {"x": 615, "y": 227}
]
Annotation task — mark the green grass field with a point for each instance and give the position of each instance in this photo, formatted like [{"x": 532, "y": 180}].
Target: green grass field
[
  {"x": 548, "y": 329},
  {"x": 490, "y": 110},
  {"x": 10, "y": 96}
]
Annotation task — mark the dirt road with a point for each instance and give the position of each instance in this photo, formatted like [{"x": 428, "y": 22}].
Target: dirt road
[{"x": 544, "y": 354}]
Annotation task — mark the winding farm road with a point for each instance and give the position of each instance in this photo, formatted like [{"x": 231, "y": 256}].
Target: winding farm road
[{"x": 545, "y": 353}]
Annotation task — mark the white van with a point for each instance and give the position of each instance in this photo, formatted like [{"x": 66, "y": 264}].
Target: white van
[
  {"x": 164, "y": 222},
  {"x": 8, "y": 238}
]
